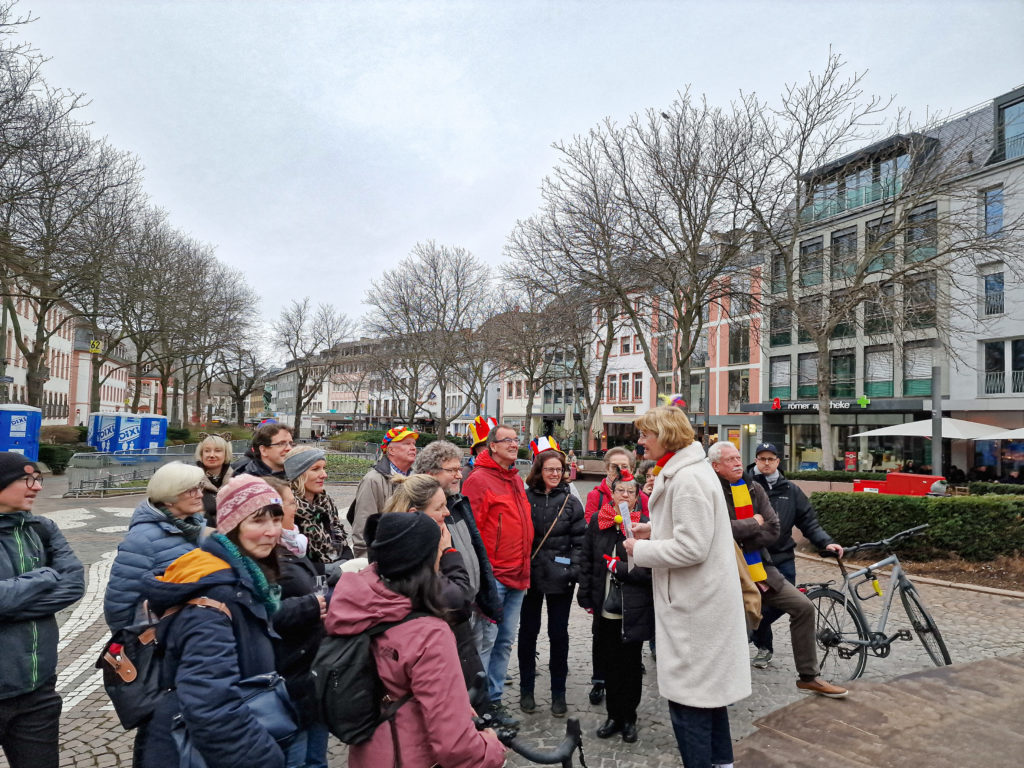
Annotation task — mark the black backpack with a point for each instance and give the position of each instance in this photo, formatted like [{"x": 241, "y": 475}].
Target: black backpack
[{"x": 349, "y": 693}]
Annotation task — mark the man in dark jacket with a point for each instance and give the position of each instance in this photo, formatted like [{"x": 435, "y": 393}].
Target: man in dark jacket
[
  {"x": 753, "y": 533},
  {"x": 39, "y": 575},
  {"x": 270, "y": 445},
  {"x": 793, "y": 508}
]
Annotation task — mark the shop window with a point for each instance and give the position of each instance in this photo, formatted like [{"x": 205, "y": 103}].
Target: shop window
[
  {"x": 917, "y": 370},
  {"x": 843, "y": 374},
  {"x": 739, "y": 389},
  {"x": 780, "y": 377},
  {"x": 878, "y": 381},
  {"x": 807, "y": 375}
]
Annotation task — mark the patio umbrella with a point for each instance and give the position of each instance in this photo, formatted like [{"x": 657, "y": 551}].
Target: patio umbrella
[
  {"x": 1013, "y": 434},
  {"x": 597, "y": 426},
  {"x": 570, "y": 426},
  {"x": 956, "y": 429}
]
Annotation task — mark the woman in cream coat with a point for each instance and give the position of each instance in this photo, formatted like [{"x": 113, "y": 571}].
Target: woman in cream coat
[{"x": 703, "y": 663}]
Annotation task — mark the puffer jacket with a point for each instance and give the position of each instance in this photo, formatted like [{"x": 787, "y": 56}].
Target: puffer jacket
[
  {"x": 602, "y": 495},
  {"x": 793, "y": 508},
  {"x": 461, "y": 520},
  {"x": 202, "y": 682},
  {"x": 502, "y": 513},
  {"x": 151, "y": 544},
  {"x": 39, "y": 575},
  {"x": 565, "y": 541},
  {"x": 418, "y": 657},
  {"x": 373, "y": 490},
  {"x": 637, "y": 594}
]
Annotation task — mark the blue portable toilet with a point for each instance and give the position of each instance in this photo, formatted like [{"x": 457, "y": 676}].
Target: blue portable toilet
[
  {"x": 154, "y": 431},
  {"x": 103, "y": 428},
  {"x": 19, "y": 429}
]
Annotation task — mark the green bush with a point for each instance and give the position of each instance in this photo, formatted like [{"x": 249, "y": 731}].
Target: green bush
[
  {"x": 56, "y": 457},
  {"x": 979, "y": 489},
  {"x": 974, "y": 527},
  {"x": 833, "y": 476},
  {"x": 342, "y": 469},
  {"x": 83, "y": 434},
  {"x": 184, "y": 434}
]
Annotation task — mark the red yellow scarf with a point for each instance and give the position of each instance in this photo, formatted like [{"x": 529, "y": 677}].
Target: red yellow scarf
[
  {"x": 744, "y": 511},
  {"x": 660, "y": 463}
]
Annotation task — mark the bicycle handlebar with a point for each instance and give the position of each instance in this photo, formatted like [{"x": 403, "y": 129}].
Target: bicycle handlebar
[
  {"x": 883, "y": 544},
  {"x": 560, "y": 755}
]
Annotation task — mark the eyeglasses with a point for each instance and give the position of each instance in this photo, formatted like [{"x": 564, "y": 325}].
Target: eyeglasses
[
  {"x": 508, "y": 441},
  {"x": 194, "y": 490},
  {"x": 288, "y": 443},
  {"x": 768, "y": 459},
  {"x": 552, "y": 471},
  {"x": 453, "y": 470},
  {"x": 31, "y": 480}
]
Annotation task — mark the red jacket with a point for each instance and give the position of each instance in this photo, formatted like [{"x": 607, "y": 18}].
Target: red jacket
[
  {"x": 417, "y": 657},
  {"x": 603, "y": 495},
  {"x": 502, "y": 511}
]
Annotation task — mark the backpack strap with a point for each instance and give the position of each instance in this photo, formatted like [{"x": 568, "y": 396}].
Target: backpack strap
[
  {"x": 389, "y": 706},
  {"x": 202, "y": 602}
]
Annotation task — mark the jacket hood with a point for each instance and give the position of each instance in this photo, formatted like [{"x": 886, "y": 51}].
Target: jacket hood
[
  {"x": 362, "y": 601},
  {"x": 485, "y": 461},
  {"x": 191, "y": 575},
  {"x": 604, "y": 487}
]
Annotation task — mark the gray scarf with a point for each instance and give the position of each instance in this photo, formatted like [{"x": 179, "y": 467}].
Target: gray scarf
[{"x": 771, "y": 479}]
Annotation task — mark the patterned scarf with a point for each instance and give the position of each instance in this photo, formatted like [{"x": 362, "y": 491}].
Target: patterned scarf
[
  {"x": 660, "y": 463},
  {"x": 190, "y": 527},
  {"x": 607, "y": 517},
  {"x": 319, "y": 522},
  {"x": 267, "y": 593},
  {"x": 744, "y": 511}
]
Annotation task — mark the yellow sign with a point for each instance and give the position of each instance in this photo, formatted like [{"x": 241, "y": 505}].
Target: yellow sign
[{"x": 95, "y": 347}]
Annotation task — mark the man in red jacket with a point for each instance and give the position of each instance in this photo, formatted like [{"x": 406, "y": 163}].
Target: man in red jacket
[{"x": 502, "y": 511}]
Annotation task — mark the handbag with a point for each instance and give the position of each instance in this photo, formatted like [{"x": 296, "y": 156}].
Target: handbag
[
  {"x": 751, "y": 594},
  {"x": 266, "y": 697},
  {"x": 552, "y": 526},
  {"x": 613, "y": 600}
]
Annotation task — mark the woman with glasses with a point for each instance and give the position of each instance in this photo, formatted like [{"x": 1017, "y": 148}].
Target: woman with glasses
[
  {"x": 558, "y": 531},
  {"x": 165, "y": 525}
]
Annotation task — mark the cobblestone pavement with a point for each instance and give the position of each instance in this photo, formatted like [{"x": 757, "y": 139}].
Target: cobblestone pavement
[{"x": 974, "y": 625}]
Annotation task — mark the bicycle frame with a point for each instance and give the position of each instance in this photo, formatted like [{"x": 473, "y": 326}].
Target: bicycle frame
[{"x": 851, "y": 581}]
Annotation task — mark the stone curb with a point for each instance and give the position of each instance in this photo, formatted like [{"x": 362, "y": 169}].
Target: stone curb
[{"x": 929, "y": 580}]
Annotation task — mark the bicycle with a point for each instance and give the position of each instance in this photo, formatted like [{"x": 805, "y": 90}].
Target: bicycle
[{"x": 841, "y": 625}]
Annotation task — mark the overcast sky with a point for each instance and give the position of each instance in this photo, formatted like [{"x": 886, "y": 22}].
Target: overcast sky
[{"x": 314, "y": 143}]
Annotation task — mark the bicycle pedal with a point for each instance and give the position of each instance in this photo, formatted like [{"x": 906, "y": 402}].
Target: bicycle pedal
[{"x": 904, "y": 634}]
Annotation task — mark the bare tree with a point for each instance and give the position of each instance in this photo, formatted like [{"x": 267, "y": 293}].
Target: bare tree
[
  {"x": 308, "y": 335},
  {"x": 242, "y": 367}
]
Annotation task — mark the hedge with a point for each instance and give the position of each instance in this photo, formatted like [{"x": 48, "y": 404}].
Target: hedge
[
  {"x": 979, "y": 489},
  {"x": 56, "y": 457},
  {"x": 973, "y": 527},
  {"x": 833, "y": 476}
]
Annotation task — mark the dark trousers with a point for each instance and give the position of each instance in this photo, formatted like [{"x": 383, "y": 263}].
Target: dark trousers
[
  {"x": 558, "y": 639},
  {"x": 763, "y": 634},
  {"x": 30, "y": 728},
  {"x": 597, "y": 674},
  {"x": 791, "y": 600},
  {"x": 621, "y": 663},
  {"x": 701, "y": 734}
]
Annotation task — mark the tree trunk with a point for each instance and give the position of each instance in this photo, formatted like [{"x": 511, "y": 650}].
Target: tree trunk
[
  {"x": 441, "y": 427},
  {"x": 240, "y": 410},
  {"x": 824, "y": 422}
]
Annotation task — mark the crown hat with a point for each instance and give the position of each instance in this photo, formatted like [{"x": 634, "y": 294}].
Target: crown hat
[
  {"x": 547, "y": 443},
  {"x": 481, "y": 428},
  {"x": 397, "y": 434}
]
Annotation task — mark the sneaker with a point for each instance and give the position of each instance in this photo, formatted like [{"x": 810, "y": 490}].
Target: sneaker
[
  {"x": 761, "y": 658},
  {"x": 820, "y": 687},
  {"x": 501, "y": 717},
  {"x": 527, "y": 703},
  {"x": 558, "y": 708}
]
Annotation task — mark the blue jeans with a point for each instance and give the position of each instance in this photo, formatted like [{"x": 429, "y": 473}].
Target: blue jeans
[
  {"x": 496, "y": 639},
  {"x": 702, "y": 735},
  {"x": 763, "y": 634},
  {"x": 309, "y": 748}
]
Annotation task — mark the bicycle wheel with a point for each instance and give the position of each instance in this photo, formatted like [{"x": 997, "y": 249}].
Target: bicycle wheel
[
  {"x": 837, "y": 630},
  {"x": 924, "y": 625}
]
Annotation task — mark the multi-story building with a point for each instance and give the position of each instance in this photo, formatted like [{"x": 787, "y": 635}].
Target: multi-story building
[{"x": 956, "y": 313}]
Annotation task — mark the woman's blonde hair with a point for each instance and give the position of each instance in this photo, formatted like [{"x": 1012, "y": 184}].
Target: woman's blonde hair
[
  {"x": 414, "y": 491},
  {"x": 217, "y": 442},
  {"x": 669, "y": 424}
]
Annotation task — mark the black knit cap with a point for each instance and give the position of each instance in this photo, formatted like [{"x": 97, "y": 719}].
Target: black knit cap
[
  {"x": 12, "y": 468},
  {"x": 404, "y": 540}
]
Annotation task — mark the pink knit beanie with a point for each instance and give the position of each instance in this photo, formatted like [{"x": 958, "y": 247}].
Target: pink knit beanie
[{"x": 242, "y": 496}]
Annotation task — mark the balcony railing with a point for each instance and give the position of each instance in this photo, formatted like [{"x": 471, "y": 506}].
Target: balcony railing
[
  {"x": 995, "y": 382},
  {"x": 1017, "y": 381},
  {"x": 994, "y": 303}
]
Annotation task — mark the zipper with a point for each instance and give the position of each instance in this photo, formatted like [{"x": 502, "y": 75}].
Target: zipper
[{"x": 23, "y": 565}]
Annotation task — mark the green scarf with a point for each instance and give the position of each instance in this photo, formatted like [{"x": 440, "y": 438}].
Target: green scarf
[{"x": 267, "y": 593}]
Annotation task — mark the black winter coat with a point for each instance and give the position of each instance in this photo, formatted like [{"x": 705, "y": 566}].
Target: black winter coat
[
  {"x": 39, "y": 575},
  {"x": 205, "y": 653},
  {"x": 298, "y": 623},
  {"x": 210, "y": 487},
  {"x": 793, "y": 508},
  {"x": 456, "y": 597},
  {"x": 487, "y": 599},
  {"x": 565, "y": 541},
  {"x": 637, "y": 593}
]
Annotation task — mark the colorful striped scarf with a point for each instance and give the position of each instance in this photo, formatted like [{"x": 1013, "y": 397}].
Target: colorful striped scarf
[
  {"x": 744, "y": 511},
  {"x": 660, "y": 463}
]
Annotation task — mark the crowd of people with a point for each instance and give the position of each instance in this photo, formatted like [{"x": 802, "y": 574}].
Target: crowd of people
[{"x": 453, "y": 565}]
